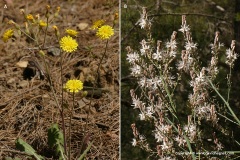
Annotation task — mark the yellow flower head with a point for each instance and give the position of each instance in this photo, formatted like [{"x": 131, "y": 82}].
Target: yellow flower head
[
  {"x": 42, "y": 23},
  {"x": 71, "y": 32},
  {"x": 97, "y": 24},
  {"x": 7, "y": 35},
  {"x": 29, "y": 17},
  {"x": 68, "y": 44},
  {"x": 105, "y": 32},
  {"x": 74, "y": 85}
]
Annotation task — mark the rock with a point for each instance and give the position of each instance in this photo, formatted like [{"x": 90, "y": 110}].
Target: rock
[
  {"x": 82, "y": 26},
  {"x": 23, "y": 84},
  {"x": 22, "y": 64},
  {"x": 45, "y": 96},
  {"x": 54, "y": 51}
]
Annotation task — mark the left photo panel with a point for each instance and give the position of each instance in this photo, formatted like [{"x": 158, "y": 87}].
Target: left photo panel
[{"x": 59, "y": 79}]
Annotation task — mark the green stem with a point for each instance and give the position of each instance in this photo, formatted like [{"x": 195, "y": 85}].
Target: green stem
[
  {"x": 97, "y": 78},
  {"x": 27, "y": 35},
  {"x": 45, "y": 33},
  {"x": 173, "y": 107},
  {"x": 225, "y": 102},
  {"x": 185, "y": 137},
  {"x": 229, "y": 83},
  {"x": 99, "y": 65},
  {"x": 70, "y": 127},
  {"x": 62, "y": 108},
  {"x": 56, "y": 100}
]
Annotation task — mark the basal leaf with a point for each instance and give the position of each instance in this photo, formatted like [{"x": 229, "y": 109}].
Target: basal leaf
[{"x": 25, "y": 147}]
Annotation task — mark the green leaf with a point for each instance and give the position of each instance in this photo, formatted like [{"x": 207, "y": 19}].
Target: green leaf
[
  {"x": 55, "y": 139},
  {"x": 189, "y": 147},
  {"x": 85, "y": 152},
  {"x": 54, "y": 135},
  {"x": 25, "y": 147}
]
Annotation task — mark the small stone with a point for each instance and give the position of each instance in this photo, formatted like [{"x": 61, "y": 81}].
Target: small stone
[
  {"x": 23, "y": 84},
  {"x": 22, "y": 64},
  {"x": 82, "y": 26},
  {"x": 45, "y": 96},
  {"x": 54, "y": 51}
]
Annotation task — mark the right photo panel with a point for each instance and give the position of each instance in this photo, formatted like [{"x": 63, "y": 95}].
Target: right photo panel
[{"x": 180, "y": 79}]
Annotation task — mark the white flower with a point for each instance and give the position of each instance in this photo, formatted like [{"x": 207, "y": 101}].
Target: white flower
[
  {"x": 142, "y": 116},
  {"x": 134, "y": 142},
  {"x": 184, "y": 28},
  {"x": 136, "y": 102},
  {"x": 142, "y": 138},
  {"x": 204, "y": 111},
  {"x": 132, "y": 57},
  {"x": 157, "y": 55},
  {"x": 145, "y": 48},
  {"x": 167, "y": 145},
  {"x": 158, "y": 135},
  {"x": 171, "y": 44},
  {"x": 190, "y": 128},
  {"x": 190, "y": 45},
  {"x": 143, "y": 23},
  {"x": 156, "y": 82},
  {"x": 231, "y": 57},
  {"x": 172, "y": 53},
  {"x": 136, "y": 70},
  {"x": 200, "y": 78},
  {"x": 142, "y": 82},
  {"x": 149, "y": 82},
  {"x": 181, "y": 141},
  {"x": 217, "y": 46}
]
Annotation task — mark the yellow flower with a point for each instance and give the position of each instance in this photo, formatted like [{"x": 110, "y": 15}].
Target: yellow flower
[
  {"x": 68, "y": 44},
  {"x": 29, "y": 17},
  {"x": 105, "y": 32},
  {"x": 7, "y": 35},
  {"x": 42, "y": 23},
  {"x": 74, "y": 85},
  {"x": 97, "y": 24},
  {"x": 71, "y": 32}
]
